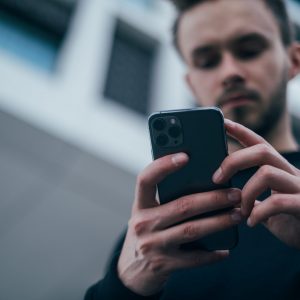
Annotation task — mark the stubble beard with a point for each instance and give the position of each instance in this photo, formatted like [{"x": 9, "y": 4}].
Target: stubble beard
[{"x": 263, "y": 120}]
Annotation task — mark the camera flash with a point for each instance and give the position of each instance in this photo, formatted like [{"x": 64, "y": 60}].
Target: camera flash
[{"x": 173, "y": 121}]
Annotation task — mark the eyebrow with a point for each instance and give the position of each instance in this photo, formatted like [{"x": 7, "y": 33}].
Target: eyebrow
[
  {"x": 202, "y": 50},
  {"x": 249, "y": 37}
]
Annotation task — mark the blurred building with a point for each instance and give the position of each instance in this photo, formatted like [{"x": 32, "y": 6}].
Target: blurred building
[{"x": 78, "y": 79}]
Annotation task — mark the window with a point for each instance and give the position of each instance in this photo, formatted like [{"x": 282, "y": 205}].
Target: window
[
  {"x": 35, "y": 29},
  {"x": 131, "y": 63}
]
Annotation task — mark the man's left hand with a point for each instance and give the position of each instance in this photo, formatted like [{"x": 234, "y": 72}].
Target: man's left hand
[{"x": 280, "y": 212}]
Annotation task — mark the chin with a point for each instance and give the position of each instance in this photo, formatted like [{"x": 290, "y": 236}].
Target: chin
[{"x": 247, "y": 117}]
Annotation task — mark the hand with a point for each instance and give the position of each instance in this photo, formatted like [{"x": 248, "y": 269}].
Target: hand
[
  {"x": 280, "y": 212},
  {"x": 151, "y": 247}
]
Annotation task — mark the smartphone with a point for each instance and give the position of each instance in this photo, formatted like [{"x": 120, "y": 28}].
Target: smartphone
[{"x": 200, "y": 133}]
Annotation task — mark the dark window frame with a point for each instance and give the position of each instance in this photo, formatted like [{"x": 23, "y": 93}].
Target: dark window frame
[
  {"x": 40, "y": 14},
  {"x": 135, "y": 36}
]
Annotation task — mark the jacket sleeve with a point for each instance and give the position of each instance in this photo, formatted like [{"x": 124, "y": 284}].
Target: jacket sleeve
[{"x": 111, "y": 287}]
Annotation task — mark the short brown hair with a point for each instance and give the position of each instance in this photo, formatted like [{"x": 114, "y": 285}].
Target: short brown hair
[{"x": 277, "y": 8}]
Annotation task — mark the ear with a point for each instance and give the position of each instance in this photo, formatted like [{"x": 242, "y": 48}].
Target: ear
[
  {"x": 294, "y": 55},
  {"x": 188, "y": 81}
]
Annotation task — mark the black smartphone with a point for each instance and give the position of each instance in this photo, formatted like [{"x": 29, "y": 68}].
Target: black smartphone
[{"x": 200, "y": 133}]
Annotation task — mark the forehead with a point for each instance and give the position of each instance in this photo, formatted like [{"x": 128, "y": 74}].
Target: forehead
[{"x": 217, "y": 21}]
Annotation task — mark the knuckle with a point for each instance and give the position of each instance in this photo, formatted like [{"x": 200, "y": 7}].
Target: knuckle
[
  {"x": 277, "y": 201},
  {"x": 231, "y": 162},
  {"x": 157, "y": 264},
  {"x": 189, "y": 232},
  {"x": 165, "y": 166},
  {"x": 217, "y": 197},
  {"x": 266, "y": 171},
  {"x": 227, "y": 162},
  {"x": 264, "y": 150},
  {"x": 142, "y": 180},
  {"x": 139, "y": 225},
  {"x": 183, "y": 206},
  {"x": 144, "y": 247},
  {"x": 223, "y": 221}
]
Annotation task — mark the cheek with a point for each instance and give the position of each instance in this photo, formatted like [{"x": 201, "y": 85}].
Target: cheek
[
  {"x": 204, "y": 88},
  {"x": 267, "y": 74}
]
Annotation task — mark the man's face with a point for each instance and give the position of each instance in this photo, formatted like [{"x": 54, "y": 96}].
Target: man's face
[{"x": 236, "y": 60}]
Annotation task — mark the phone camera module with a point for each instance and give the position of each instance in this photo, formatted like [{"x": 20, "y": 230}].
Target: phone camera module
[
  {"x": 174, "y": 131},
  {"x": 159, "y": 124},
  {"x": 162, "y": 140}
]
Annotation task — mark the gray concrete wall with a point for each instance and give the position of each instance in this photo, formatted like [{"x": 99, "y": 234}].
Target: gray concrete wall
[{"x": 61, "y": 210}]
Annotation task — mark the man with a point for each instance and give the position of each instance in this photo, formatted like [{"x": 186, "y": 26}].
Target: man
[{"x": 239, "y": 55}]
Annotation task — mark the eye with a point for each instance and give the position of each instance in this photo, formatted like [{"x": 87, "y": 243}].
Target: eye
[
  {"x": 207, "y": 60},
  {"x": 248, "y": 53},
  {"x": 250, "y": 49}
]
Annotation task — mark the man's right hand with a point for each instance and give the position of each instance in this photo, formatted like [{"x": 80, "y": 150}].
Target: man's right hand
[{"x": 151, "y": 249}]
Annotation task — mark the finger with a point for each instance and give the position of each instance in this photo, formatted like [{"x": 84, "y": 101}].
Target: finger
[
  {"x": 242, "y": 134},
  {"x": 152, "y": 175},
  {"x": 194, "y": 230},
  {"x": 195, "y": 258},
  {"x": 248, "y": 138},
  {"x": 267, "y": 177},
  {"x": 193, "y": 205},
  {"x": 274, "y": 205},
  {"x": 257, "y": 155}
]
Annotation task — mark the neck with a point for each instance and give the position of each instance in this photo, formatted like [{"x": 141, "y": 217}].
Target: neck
[{"x": 280, "y": 137}]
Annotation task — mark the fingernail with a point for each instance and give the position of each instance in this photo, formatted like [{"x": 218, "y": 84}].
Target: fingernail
[
  {"x": 223, "y": 253},
  {"x": 234, "y": 196},
  {"x": 228, "y": 122},
  {"x": 236, "y": 216},
  {"x": 249, "y": 222},
  {"x": 217, "y": 176},
  {"x": 179, "y": 158}
]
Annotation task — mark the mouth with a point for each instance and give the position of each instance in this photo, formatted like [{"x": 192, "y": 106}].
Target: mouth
[{"x": 235, "y": 101}]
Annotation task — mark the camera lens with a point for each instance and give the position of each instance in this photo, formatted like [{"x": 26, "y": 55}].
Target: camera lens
[
  {"x": 159, "y": 124},
  {"x": 174, "y": 131},
  {"x": 162, "y": 140}
]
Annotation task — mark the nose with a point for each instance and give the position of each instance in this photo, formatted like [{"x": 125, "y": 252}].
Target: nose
[{"x": 231, "y": 71}]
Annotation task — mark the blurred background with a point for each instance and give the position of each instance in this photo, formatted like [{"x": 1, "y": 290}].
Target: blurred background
[{"x": 78, "y": 79}]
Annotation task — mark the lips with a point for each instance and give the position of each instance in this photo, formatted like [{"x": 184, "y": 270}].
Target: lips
[{"x": 236, "y": 100}]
